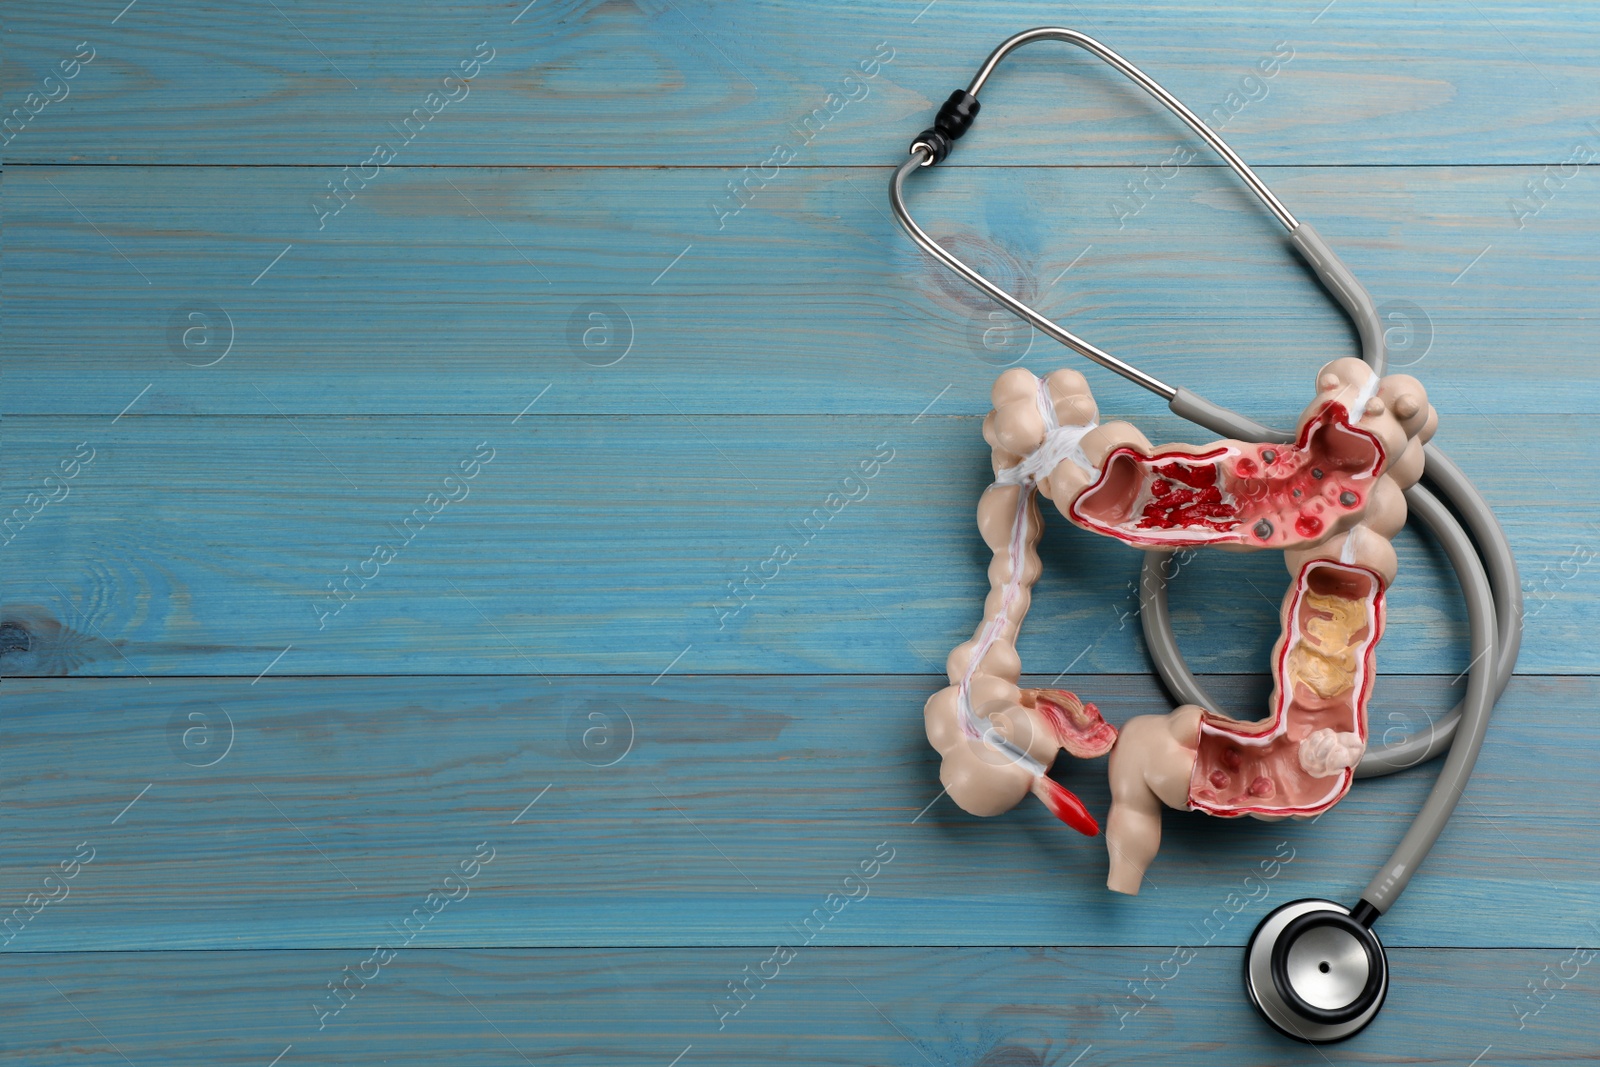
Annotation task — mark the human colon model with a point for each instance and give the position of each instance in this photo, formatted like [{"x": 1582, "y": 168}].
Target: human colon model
[{"x": 1330, "y": 502}]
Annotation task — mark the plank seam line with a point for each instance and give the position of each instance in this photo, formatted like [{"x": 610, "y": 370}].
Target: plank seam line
[
  {"x": 883, "y": 167},
  {"x": 636, "y": 947},
  {"x": 352, "y": 416},
  {"x": 590, "y": 676}
]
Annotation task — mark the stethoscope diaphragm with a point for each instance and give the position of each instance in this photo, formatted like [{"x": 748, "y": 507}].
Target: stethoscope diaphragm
[{"x": 1316, "y": 971}]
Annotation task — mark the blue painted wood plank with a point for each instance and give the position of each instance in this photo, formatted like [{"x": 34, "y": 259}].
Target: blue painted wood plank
[
  {"x": 598, "y": 544},
  {"x": 469, "y": 291},
  {"x": 606, "y": 544},
  {"x": 696, "y": 810},
  {"x": 697, "y": 82},
  {"x": 912, "y": 1007}
]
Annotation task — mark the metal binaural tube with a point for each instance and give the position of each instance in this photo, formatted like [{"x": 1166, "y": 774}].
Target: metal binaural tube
[
  {"x": 1041, "y": 322},
  {"x": 1149, "y": 85}
]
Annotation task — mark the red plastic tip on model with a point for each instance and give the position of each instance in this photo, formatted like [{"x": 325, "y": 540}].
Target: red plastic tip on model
[{"x": 1065, "y": 806}]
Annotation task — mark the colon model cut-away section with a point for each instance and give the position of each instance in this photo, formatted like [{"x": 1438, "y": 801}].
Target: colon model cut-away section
[
  {"x": 1236, "y": 492},
  {"x": 1300, "y": 760}
]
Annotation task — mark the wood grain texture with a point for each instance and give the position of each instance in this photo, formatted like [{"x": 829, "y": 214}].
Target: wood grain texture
[
  {"x": 303, "y": 812},
  {"x": 554, "y": 266},
  {"x": 911, "y": 1007},
  {"x": 467, "y": 291},
  {"x": 685, "y": 82},
  {"x": 207, "y": 546}
]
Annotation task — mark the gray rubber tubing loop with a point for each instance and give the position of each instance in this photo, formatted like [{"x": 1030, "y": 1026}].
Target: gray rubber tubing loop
[
  {"x": 1351, "y": 294},
  {"x": 1504, "y": 584},
  {"x": 1391, "y": 879},
  {"x": 1506, "y": 589}
]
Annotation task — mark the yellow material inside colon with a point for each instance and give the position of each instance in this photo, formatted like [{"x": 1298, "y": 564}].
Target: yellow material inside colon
[{"x": 1325, "y": 658}]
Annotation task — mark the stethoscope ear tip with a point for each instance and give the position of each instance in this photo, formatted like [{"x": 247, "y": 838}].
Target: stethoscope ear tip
[{"x": 1315, "y": 970}]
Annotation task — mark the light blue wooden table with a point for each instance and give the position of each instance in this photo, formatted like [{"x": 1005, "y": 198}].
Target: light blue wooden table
[{"x": 393, "y": 395}]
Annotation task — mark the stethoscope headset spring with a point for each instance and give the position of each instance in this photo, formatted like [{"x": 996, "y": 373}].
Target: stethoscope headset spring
[{"x": 1313, "y": 968}]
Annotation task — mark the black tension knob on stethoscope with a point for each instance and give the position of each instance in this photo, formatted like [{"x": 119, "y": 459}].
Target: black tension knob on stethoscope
[{"x": 1316, "y": 971}]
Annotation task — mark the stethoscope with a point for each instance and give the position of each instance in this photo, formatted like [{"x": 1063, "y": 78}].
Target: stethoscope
[{"x": 1314, "y": 968}]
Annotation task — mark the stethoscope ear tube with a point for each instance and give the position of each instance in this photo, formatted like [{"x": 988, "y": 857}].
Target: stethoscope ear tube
[
  {"x": 1218, "y": 419},
  {"x": 1339, "y": 280}
]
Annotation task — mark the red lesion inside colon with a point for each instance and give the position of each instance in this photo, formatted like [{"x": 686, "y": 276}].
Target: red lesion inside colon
[
  {"x": 1187, "y": 495},
  {"x": 1258, "y": 494}
]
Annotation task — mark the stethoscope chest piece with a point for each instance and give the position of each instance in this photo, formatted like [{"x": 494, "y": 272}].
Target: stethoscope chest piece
[{"x": 1315, "y": 971}]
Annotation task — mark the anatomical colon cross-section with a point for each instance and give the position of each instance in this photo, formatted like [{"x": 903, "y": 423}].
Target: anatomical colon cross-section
[{"x": 1331, "y": 502}]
